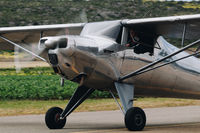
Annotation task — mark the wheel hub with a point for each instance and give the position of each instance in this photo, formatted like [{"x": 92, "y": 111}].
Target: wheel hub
[
  {"x": 57, "y": 117},
  {"x": 138, "y": 119}
]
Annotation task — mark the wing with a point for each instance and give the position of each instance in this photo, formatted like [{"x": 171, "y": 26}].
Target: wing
[
  {"x": 30, "y": 34},
  {"x": 167, "y": 26}
]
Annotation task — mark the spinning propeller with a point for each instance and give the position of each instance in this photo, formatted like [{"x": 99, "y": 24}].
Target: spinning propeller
[{"x": 41, "y": 52}]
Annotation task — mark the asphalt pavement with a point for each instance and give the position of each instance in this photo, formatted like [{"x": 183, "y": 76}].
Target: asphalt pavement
[{"x": 159, "y": 120}]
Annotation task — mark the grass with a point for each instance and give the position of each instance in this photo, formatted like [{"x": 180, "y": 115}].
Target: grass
[
  {"x": 39, "y": 87},
  {"x": 25, "y": 107},
  {"x": 39, "y": 83}
]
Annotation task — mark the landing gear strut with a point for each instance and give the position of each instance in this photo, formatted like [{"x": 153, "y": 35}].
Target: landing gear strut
[
  {"x": 56, "y": 117},
  {"x": 135, "y": 118}
]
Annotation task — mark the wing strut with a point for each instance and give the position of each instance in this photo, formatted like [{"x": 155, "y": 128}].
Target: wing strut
[
  {"x": 146, "y": 68},
  {"x": 183, "y": 35},
  {"x": 17, "y": 45}
]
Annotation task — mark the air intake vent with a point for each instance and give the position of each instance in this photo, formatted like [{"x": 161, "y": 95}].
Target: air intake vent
[
  {"x": 53, "y": 59},
  {"x": 42, "y": 41}
]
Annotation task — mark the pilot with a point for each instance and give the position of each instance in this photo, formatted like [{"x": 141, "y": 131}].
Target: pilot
[
  {"x": 140, "y": 42},
  {"x": 133, "y": 39}
]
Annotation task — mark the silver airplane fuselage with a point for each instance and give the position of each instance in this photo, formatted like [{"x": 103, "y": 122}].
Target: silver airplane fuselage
[{"x": 103, "y": 63}]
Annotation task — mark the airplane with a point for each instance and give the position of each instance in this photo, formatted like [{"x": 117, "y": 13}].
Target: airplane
[{"x": 130, "y": 57}]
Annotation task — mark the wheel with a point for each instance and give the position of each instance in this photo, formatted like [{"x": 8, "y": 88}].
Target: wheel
[
  {"x": 135, "y": 119},
  {"x": 52, "y": 118}
]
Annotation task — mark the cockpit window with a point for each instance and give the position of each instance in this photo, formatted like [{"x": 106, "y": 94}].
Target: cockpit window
[{"x": 141, "y": 42}]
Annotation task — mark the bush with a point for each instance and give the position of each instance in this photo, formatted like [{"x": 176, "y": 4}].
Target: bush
[{"x": 39, "y": 87}]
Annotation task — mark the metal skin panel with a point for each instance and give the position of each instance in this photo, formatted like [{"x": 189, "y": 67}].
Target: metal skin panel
[{"x": 108, "y": 29}]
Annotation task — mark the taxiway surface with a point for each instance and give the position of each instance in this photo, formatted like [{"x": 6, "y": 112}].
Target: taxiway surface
[{"x": 171, "y": 119}]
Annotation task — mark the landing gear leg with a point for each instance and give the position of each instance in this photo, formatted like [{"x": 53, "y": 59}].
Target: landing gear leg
[
  {"x": 56, "y": 118},
  {"x": 135, "y": 118}
]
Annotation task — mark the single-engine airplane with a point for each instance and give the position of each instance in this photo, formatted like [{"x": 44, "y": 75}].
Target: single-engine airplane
[{"x": 129, "y": 56}]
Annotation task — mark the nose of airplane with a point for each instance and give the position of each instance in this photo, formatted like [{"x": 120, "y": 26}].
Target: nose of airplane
[
  {"x": 60, "y": 55},
  {"x": 49, "y": 45}
]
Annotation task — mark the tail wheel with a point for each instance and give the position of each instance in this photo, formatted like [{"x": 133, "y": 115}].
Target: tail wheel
[
  {"x": 52, "y": 118},
  {"x": 135, "y": 119}
]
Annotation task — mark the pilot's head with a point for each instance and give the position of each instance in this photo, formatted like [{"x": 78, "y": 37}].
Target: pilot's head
[{"x": 132, "y": 32}]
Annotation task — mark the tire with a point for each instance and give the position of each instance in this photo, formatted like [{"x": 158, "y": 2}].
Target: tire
[
  {"x": 135, "y": 119},
  {"x": 52, "y": 118}
]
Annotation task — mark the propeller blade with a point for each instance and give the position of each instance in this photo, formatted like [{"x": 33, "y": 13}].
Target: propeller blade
[{"x": 17, "y": 60}]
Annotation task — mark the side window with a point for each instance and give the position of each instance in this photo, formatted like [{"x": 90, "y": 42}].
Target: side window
[{"x": 140, "y": 42}]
